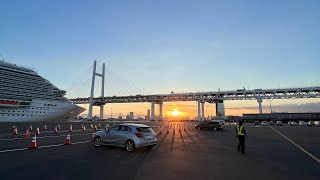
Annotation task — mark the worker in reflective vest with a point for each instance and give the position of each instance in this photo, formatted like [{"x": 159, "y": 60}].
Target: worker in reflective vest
[{"x": 241, "y": 134}]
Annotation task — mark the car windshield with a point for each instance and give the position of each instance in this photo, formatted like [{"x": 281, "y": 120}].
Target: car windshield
[{"x": 144, "y": 129}]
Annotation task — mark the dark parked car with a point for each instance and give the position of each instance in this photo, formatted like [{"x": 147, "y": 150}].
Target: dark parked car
[{"x": 209, "y": 125}]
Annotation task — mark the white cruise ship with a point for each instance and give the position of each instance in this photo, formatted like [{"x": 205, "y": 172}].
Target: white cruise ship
[{"x": 26, "y": 96}]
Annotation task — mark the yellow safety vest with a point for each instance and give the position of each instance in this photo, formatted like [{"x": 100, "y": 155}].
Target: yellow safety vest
[{"x": 239, "y": 130}]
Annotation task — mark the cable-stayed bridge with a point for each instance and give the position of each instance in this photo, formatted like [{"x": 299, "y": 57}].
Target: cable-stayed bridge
[{"x": 217, "y": 97}]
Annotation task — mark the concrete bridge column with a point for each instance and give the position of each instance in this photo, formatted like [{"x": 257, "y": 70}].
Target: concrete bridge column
[
  {"x": 199, "y": 115},
  {"x": 92, "y": 90},
  {"x": 152, "y": 111},
  {"x": 160, "y": 112},
  {"x": 260, "y": 105},
  {"x": 220, "y": 108},
  {"x": 202, "y": 106},
  {"x": 101, "y": 112}
]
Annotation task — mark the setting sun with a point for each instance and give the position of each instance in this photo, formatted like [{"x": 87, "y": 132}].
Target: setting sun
[{"x": 175, "y": 113}]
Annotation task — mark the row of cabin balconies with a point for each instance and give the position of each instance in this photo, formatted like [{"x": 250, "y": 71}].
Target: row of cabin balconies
[{"x": 9, "y": 79}]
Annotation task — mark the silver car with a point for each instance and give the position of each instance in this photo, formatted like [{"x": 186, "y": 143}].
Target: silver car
[{"x": 130, "y": 136}]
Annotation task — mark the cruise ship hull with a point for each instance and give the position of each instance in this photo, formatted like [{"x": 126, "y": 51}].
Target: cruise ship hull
[{"x": 39, "y": 110}]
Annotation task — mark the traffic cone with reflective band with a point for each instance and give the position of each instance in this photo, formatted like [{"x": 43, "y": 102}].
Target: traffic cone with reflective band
[
  {"x": 33, "y": 143},
  {"x": 55, "y": 129},
  {"x": 70, "y": 129},
  {"x": 15, "y": 131},
  {"x": 67, "y": 142},
  {"x": 83, "y": 128},
  {"x": 38, "y": 131},
  {"x": 30, "y": 128},
  {"x": 45, "y": 127},
  {"x": 27, "y": 134},
  {"x": 13, "y": 127},
  {"x": 92, "y": 137}
]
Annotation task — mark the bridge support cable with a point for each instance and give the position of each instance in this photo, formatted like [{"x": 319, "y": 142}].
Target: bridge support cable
[
  {"x": 122, "y": 86},
  {"x": 117, "y": 87},
  {"x": 127, "y": 83},
  {"x": 79, "y": 87}
]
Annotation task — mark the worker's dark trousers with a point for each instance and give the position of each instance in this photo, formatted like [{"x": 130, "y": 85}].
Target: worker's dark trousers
[{"x": 242, "y": 140}]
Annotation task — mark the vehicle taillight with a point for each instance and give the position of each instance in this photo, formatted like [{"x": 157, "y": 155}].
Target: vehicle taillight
[{"x": 139, "y": 135}]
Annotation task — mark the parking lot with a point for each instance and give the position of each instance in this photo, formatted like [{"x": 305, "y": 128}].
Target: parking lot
[{"x": 184, "y": 154}]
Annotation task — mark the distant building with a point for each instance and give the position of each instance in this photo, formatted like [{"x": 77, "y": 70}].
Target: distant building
[
  {"x": 120, "y": 117},
  {"x": 128, "y": 118},
  {"x": 131, "y": 116}
]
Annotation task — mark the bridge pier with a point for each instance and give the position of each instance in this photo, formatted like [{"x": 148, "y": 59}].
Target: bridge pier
[
  {"x": 91, "y": 103},
  {"x": 259, "y": 100},
  {"x": 160, "y": 111},
  {"x": 202, "y": 106},
  {"x": 220, "y": 108},
  {"x": 152, "y": 111},
  {"x": 199, "y": 115}
]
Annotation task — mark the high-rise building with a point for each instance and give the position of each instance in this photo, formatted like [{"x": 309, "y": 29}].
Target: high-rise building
[{"x": 131, "y": 116}]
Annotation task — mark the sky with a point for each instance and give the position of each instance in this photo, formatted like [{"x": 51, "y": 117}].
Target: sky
[{"x": 169, "y": 45}]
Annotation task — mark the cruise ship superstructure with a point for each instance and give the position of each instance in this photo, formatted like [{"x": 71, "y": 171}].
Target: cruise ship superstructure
[{"x": 26, "y": 96}]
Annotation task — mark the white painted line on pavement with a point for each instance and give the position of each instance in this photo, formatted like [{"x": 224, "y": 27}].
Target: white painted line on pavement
[
  {"x": 305, "y": 151},
  {"x": 49, "y": 146},
  {"x": 12, "y": 150},
  {"x": 42, "y": 137}
]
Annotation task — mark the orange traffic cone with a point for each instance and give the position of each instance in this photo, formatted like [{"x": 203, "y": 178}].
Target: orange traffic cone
[
  {"x": 15, "y": 131},
  {"x": 92, "y": 137},
  {"x": 45, "y": 127},
  {"x": 38, "y": 131},
  {"x": 30, "y": 128},
  {"x": 70, "y": 129},
  {"x": 27, "y": 134},
  {"x": 55, "y": 130},
  {"x": 83, "y": 128},
  {"x": 67, "y": 142},
  {"x": 33, "y": 143}
]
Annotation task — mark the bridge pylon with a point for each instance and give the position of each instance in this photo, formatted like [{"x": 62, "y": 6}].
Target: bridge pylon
[{"x": 91, "y": 102}]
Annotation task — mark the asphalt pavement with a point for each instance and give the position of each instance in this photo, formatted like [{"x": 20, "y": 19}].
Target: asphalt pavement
[{"x": 184, "y": 154}]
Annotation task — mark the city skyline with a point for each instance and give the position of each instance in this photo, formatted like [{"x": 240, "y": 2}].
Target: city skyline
[{"x": 180, "y": 46}]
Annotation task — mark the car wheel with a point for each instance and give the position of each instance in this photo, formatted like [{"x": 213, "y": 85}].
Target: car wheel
[
  {"x": 215, "y": 129},
  {"x": 130, "y": 147},
  {"x": 97, "y": 142}
]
